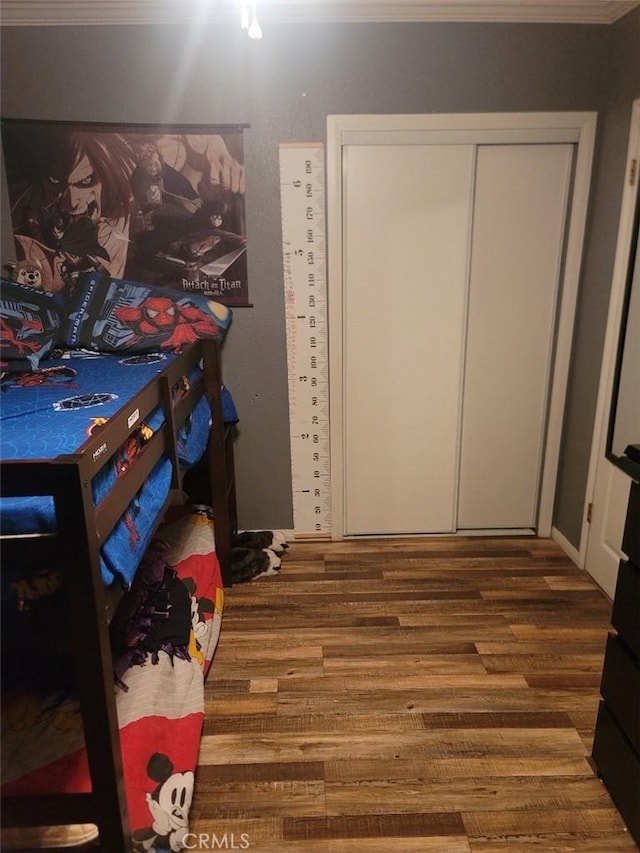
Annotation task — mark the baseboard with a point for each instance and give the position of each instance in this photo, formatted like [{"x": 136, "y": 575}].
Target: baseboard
[
  {"x": 566, "y": 546},
  {"x": 289, "y": 534},
  {"x": 558, "y": 537},
  {"x": 306, "y": 537}
]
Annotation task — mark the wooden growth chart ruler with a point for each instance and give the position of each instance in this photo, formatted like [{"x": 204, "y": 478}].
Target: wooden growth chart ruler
[{"x": 302, "y": 196}]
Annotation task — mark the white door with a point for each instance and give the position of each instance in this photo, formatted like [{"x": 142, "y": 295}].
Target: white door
[
  {"x": 609, "y": 510},
  {"x": 609, "y": 492},
  {"x": 407, "y": 219},
  {"x": 519, "y": 214},
  {"x": 401, "y": 227}
]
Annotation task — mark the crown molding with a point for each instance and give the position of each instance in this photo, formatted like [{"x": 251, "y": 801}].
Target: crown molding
[{"x": 96, "y": 12}]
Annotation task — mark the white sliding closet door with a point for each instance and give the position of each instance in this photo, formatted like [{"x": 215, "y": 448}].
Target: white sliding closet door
[
  {"x": 454, "y": 260},
  {"x": 406, "y": 231},
  {"x": 518, "y": 227}
]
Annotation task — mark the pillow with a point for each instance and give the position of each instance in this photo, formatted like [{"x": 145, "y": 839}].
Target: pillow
[
  {"x": 30, "y": 321},
  {"x": 113, "y": 315}
]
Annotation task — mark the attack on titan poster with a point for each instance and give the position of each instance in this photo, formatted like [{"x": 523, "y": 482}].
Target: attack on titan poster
[{"x": 152, "y": 204}]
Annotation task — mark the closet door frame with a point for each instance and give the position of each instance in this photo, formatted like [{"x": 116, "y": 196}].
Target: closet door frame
[{"x": 577, "y": 128}]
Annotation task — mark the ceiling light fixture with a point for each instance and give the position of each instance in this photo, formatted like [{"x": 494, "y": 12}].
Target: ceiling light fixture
[{"x": 250, "y": 24}]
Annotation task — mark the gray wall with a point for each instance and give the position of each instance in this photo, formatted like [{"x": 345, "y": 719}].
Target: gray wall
[
  {"x": 215, "y": 74},
  {"x": 622, "y": 86}
]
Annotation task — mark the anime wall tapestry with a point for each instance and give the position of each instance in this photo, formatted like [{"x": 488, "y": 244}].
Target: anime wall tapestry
[{"x": 157, "y": 205}]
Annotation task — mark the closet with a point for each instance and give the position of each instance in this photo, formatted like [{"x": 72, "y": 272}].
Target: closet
[{"x": 447, "y": 295}]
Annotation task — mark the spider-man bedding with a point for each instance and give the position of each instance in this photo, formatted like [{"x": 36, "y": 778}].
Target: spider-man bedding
[
  {"x": 160, "y": 699},
  {"x": 102, "y": 314},
  {"x": 55, "y": 409}
]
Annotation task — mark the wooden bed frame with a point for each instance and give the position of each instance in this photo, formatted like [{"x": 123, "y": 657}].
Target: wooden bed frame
[{"x": 81, "y": 529}]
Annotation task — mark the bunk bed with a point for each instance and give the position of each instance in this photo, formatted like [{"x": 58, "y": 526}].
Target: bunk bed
[{"x": 85, "y": 509}]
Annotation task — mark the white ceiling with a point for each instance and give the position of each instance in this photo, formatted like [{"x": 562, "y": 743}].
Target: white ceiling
[{"x": 58, "y": 12}]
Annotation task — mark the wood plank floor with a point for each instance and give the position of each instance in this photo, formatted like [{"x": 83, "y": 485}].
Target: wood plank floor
[{"x": 431, "y": 695}]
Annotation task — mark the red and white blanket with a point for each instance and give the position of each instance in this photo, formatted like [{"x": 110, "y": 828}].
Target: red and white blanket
[{"x": 160, "y": 704}]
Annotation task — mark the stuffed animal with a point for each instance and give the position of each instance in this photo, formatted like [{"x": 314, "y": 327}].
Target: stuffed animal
[
  {"x": 275, "y": 540},
  {"x": 32, "y": 273},
  {"x": 247, "y": 564},
  {"x": 255, "y": 553}
]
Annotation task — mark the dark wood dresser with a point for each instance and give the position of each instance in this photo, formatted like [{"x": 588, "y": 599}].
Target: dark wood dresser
[{"x": 616, "y": 747}]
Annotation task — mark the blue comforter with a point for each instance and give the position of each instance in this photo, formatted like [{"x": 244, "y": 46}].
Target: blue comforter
[{"x": 54, "y": 411}]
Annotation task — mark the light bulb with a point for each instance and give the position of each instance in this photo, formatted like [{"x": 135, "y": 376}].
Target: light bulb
[
  {"x": 254, "y": 31},
  {"x": 244, "y": 18}
]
